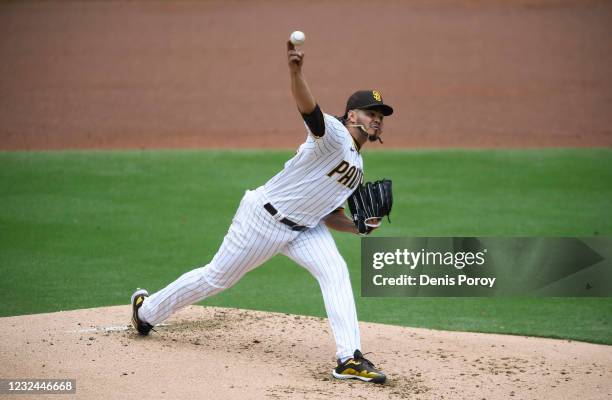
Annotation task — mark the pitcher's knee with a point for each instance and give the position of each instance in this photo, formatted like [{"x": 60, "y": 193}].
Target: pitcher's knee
[
  {"x": 334, "y": 272},
  {"x": 220, "y": 279},
  {"x": 341, "y": 269}
]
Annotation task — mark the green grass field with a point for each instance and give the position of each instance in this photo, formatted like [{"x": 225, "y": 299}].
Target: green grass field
[{"x": 83, "y": 229}]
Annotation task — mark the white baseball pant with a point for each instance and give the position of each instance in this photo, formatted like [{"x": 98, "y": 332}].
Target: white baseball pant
[{"x": 253, "y": 238}]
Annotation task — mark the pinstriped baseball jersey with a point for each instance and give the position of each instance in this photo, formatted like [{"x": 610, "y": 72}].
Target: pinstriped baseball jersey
[
  {"x": 316, "y": 181},
  {"x": 319, "y": 178}
]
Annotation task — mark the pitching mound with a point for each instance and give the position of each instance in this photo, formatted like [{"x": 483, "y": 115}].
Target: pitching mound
[{"x": 218, "y": 353}]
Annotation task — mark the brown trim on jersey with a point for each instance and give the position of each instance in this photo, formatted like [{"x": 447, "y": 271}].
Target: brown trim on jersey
[{"x": 357, "y": 146}]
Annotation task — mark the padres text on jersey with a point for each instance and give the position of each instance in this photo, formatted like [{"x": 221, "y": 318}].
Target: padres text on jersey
[{"x": 319, "y": 178}]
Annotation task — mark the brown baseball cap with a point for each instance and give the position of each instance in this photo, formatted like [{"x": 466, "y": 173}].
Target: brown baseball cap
[{"x": 367, "y": 100}]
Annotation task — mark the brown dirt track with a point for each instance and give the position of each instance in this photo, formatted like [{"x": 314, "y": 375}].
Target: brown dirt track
[{"x": 142, "y": 74}]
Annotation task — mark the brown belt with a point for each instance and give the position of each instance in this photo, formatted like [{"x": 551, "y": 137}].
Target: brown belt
[{"x": 294, "y": 227}]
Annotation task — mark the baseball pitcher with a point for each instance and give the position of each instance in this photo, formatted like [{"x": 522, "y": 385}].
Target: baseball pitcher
[{"x": 291, "y": 214}]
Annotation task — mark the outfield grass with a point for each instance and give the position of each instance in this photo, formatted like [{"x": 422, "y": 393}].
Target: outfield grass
[{"x": 83, "y": 229}]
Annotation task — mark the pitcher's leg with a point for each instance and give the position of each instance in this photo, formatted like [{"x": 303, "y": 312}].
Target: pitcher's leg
[
  {"x": 316, "y": 251},
  {"x": 251, "y": 240},
  {"x": 189, "y": 288}
]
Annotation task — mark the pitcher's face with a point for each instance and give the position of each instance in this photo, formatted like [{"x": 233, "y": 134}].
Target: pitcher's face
[{"x": 372, "y": 121}]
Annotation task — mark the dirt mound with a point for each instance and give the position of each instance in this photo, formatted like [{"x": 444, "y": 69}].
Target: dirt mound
[{"x": 230, "y": 353}]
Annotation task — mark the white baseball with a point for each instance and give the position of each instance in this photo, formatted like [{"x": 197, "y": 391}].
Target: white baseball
[{"x": 297, "y": 38}]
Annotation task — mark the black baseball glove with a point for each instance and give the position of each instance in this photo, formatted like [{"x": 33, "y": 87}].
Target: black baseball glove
[{"x": 369, "y": 203}]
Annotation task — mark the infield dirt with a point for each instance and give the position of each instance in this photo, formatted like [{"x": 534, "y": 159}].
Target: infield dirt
[
  {"x": 159, "y": 74},
  {"x": 222, "y": 353}
]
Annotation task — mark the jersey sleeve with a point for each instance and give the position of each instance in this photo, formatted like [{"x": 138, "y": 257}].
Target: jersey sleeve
[{"x": 334, "y": 138}]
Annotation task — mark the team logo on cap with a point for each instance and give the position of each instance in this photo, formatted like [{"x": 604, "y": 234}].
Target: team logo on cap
[{"x": 376, "y": 95}]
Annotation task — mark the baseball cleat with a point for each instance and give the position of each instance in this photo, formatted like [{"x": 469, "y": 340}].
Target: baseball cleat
[
  {"x": 137, "y": 298},
  {"x": 358, "y": 367}
]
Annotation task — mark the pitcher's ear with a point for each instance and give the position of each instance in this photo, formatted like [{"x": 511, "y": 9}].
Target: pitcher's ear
[{"x": 350, "y": 116}]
